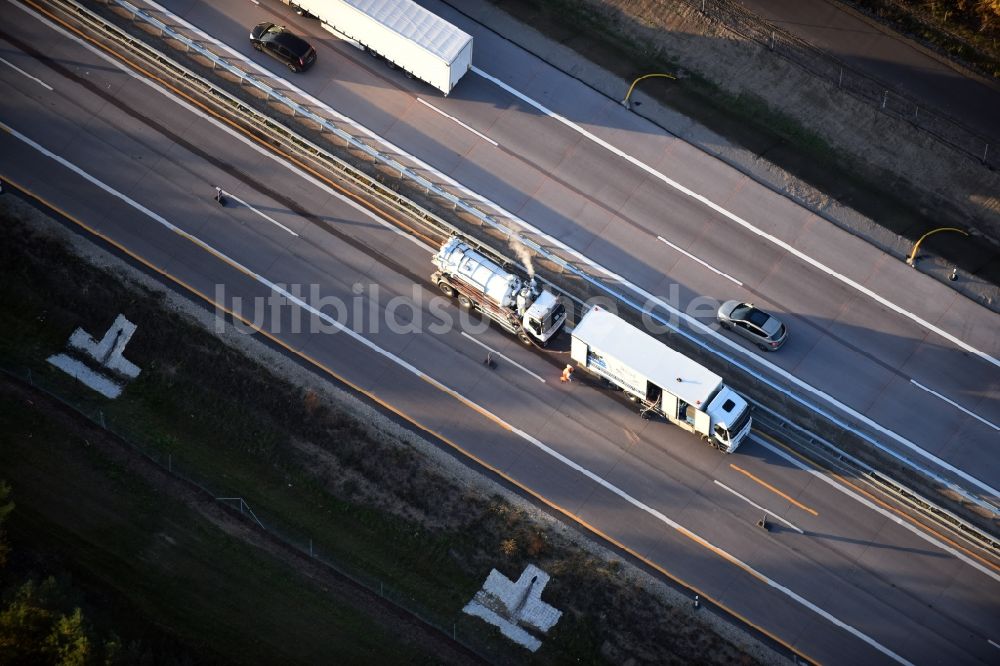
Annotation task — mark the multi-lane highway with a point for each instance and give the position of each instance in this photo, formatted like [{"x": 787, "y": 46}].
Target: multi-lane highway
[
  {"x": 843, "y": 577},
  {"x": 911, "y": 358}
]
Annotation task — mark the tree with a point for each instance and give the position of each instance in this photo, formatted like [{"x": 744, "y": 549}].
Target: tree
[
  {"x": 34, "y": 628},
  {"x": 68, "y": 643},
  {"x": 989, "y": 15},
  {"x": 26, "y": 621}
]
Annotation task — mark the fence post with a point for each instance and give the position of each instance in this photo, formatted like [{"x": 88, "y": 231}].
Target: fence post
[
  {"x": 100, "y": 413},
  {"x": 885, "y": 98}
]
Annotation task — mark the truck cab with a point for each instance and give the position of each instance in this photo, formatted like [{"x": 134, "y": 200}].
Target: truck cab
[
  {"x": 729, "y": 415},
  {"x": 544, "y": 317}
]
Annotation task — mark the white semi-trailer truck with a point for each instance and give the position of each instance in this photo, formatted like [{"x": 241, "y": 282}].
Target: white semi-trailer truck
[
  {"x": 662, "y": 380},
  {"x": 408, "y": 36},
  {"x": 517, "y": 304}
]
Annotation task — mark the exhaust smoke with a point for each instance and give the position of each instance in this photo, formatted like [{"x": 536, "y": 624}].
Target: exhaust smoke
[{"x": 524, "y": 255}]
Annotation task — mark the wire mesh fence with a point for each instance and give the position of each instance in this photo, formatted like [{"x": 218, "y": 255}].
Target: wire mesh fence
[
  {"x": 864, "y": 87},
  {"x": 460, "y": 629}
]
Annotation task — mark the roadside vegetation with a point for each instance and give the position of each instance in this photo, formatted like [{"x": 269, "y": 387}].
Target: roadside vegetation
[
  {"x": 132, "y": 513},
  {"x": 105, "y": 555},
  {"x": 966, "y": 30},
  {"x": 46, "y": 617}
]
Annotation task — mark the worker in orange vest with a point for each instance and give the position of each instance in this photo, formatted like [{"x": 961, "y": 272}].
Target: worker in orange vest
[{"x": 567, "y": 374}]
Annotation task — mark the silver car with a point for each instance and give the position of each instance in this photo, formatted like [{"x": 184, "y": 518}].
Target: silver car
[{"x": 764, "y": 330}]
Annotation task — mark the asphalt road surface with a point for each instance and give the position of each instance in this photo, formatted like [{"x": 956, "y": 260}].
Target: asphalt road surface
[
  {"x": 870, "y": 339},
  {"x": 842, "y": 578}
]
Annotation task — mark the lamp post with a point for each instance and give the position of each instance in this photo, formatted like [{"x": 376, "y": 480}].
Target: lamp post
[
  {"x": 625, "y": 101},
  {"x": 912, "y": 259}
]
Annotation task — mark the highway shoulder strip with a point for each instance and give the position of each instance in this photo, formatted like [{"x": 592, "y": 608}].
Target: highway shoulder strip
[
  {"x": 757, "y": 506},
  {"x": 230, "y": 195},
  {"x": 453, "y": 118},
  {"x": 504, "y": 357},
  {"x": 661, "y": 517},
  {"x": 857, "y": 496},
  {"x": 700, "y": 261},
  {"x": 24, "y": 73},
  {"x": 955, "y": 404}
]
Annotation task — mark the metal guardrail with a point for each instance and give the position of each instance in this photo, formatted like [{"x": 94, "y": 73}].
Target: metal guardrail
[
  {"x": 264, "y": 122},
  {"x": 770, "y": 420},
  {"x": 298, "y": 109},
  {"x": 864, "y": 87},
  {"x": 484, "y": 219}
]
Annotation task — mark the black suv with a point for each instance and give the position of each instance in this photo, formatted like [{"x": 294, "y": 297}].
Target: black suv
[{"x": 278, "y": 41}]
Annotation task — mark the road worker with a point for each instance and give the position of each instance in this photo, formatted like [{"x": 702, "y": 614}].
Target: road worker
[{"x": 567, "y": 374}]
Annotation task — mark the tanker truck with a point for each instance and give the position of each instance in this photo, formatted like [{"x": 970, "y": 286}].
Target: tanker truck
[
  {"x": 661, "y": 380},
  {"x": 515, "y": 303}
]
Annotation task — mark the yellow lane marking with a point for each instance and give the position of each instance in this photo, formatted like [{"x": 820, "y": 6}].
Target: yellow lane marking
[
  {"x": 888, "y": 507},
  {"x": 528, "y": 491},
  {"x": 774, "y": 490}
]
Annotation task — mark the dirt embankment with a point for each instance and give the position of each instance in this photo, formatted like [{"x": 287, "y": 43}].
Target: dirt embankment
[{"x": 939, "y": 175}]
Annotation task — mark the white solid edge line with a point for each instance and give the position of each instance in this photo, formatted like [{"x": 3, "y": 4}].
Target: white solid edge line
[
  {"x": 757, "y": 506},
  {"x": 239, "y": 137},
  {"x": 955, "y": 404},
  {"x": 992, "y": 643},
  {"x": 735, "y": 218},
  {"x": 693, "y": 322},
  {"x": 461, "y": 398},
  {"x": 703, "y": 263},
  {"x": 871, "y": 505},
  {"x": 504, "y": 357},
  {"x": 453, "y": 118},
  {"x": 21, "y": 71},
  {"x": 266, "y": 217}
]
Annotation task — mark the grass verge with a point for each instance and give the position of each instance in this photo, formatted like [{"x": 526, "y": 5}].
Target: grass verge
[{"x": 152, "y": 555}]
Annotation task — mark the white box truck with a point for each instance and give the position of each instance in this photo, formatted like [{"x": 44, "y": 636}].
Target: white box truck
[
  {"x": 408, "y": 36},
  {"x": 516, "y": 303},
  {"x": 660, "y": 379}
]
